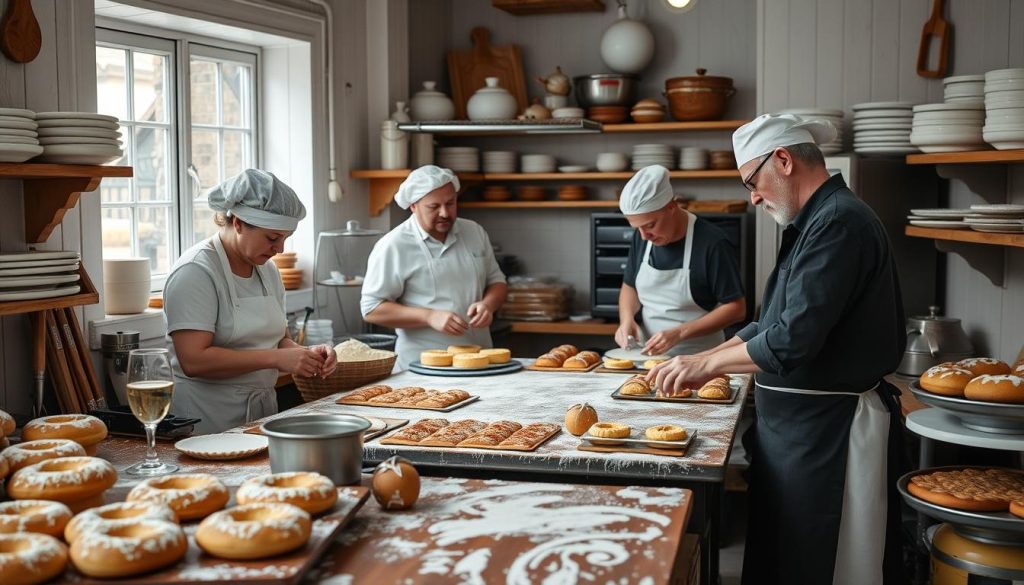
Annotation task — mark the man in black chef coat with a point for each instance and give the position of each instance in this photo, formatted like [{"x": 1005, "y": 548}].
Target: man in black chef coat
[{"x": 823, "y": 504}]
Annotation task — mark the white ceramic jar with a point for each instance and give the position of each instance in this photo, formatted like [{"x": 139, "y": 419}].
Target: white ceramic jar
[
  {"x": 491, "y": 102},
  {"x": 394, "y": 146},
  {"x": 422, "y": 150},
  {"x": 126, "y": 285},
  {"x": 627, "y": 45},
  {"x": 401, "y": 113},
  {"x": 431, "y": 105}
]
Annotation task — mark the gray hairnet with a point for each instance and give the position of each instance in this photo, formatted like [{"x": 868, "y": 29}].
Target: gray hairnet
[{"x": 260, "y": 199}]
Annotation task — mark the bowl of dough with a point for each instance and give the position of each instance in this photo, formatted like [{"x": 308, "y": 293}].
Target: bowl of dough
[{"x": 358, "y": 365}]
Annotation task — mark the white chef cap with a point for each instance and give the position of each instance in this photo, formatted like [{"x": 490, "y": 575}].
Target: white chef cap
[
  {"x": 258, "y": 198},
  {"x": 649, "y": 190},
  {"x": 770, "y": 131},
  {"x": 421, "y": 182}
]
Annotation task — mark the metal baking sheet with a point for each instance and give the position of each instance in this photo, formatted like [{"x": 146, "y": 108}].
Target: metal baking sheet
[
  {"x": 991, "y": 527},
  {"x": 457, "y": 405},
  {"x": 652, "y": 397},
  {"x": 491, "y": 370},
  {"x": 643, "y": 441},
  {"x": 989, "y": 417}
]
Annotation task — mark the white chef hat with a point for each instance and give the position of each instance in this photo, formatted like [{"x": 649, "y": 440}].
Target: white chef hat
[
  {"x": 421, "y": 182},
  {"x": 770, "y": 131},
  {"x": 649, "y": 190},
  {"x": 258, "y": 198}
]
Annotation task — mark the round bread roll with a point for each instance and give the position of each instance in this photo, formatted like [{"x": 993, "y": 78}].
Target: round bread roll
[
  {"x": 592, "y": 357},
  {"x": 635, "y": 386},
  {"x": 569, "y": 348},
  {"x": 436, "y": 357},
  {"x": 470, "y": 360},
  {"x": 27, "y": 557},
  {"x": 618, "y": 364},
  {"x": 1005, "y": 388},
  {"x": 576, "y": 363},
  {"x": 609, "y": 430},
  {"x": 457, "y": 349},
  {"x": 945, "y": 380},
  {"x": 549, "y": 360},
  {"x": 497, "y": 355},
  {"x": 666, "y": 433},
  {"x": 981, "y": 365}
]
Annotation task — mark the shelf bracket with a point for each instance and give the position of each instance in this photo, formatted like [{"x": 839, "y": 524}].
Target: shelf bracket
[
  {"x": 987, "y": 181},
  {"x": 47, "y": 200},
  {"x": 988, "y": 260},
  {"x": 382, "y": 191}
]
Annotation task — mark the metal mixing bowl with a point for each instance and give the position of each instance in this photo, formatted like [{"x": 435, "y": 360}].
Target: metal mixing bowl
[
  {"x": 329, "y": 444},
  {"x": 606, "y": 89}
]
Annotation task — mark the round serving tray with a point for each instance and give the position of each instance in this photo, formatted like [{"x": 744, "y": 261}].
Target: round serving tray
[
  {"x": 990, "y": 527},
  {"x": 491, "y": 370},
  {"x": 989, "y": 417}
]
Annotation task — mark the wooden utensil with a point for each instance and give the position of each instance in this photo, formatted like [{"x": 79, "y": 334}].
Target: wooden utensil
[
  {"x": 936, "y": 26},
  {"x": 467, "y": 69},
  {"x": 56, "y": 364},
  {"x": 38, "y": 359},
  {"x": 74, "y": 360},
  {"x": 20, "y": 37},
  {"x": 83, "y": 351}
]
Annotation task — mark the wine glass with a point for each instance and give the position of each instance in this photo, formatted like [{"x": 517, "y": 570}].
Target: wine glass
[{"x": 150, "y": 385}]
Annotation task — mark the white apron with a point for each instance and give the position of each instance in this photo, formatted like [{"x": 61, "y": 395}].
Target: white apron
[
  {"x": 667, "y": 301},
  {"x": 861, "y": 543},
  {"x": 459, "y": 280},
  {"x": 259, "y": 323}
]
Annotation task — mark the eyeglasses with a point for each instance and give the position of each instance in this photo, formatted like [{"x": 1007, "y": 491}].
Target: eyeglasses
[{"x": 746, "y": 182}]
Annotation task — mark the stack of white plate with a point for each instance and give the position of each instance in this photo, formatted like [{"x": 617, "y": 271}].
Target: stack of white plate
[
  {"x": 939, "y": 218},
  {"x": 1004, "y": 108},
  {"x": 80, "y": 138},
  {"x": 463, "y": 159},
  {"x": 996, "y": 218},
  {"x": 826, "y": 115},
  {"x": 18, "y": 139},
  {"x": 883, "y": 128},
  {"x": 538, "y": 163},
  {"x": 645, "y": 155},
  {"x": 499, "y": 161},
  {"x": 948, "y": 127},
  {"x": 38, "y": 275},
  {"x": 693, "y": 158},
  {"x": 964, "y": 89}
]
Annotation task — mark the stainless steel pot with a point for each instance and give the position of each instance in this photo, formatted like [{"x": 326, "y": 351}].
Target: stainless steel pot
[
  {"x": 606, "y": 89},
  {"x": 329, "y": 444},
  {"x": 932, "y": 340}
]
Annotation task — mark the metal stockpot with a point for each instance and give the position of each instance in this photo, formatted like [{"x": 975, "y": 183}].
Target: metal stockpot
[
  {"x": 329, "y": 444},
  {"x": 932, "y": 340}
]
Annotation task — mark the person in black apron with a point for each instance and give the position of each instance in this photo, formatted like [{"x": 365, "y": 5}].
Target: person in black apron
[{"x": 825, "y": 444}]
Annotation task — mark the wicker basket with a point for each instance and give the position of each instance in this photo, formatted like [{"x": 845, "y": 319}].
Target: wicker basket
[{"x": 347, "y": 376}]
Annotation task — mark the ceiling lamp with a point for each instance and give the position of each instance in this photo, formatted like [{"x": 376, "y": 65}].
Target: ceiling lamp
[{"x": 680, "y": 6}]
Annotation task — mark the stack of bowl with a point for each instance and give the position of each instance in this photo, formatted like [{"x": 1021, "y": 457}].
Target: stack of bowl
[
  {"x": 608, "y": 114},
  {"x": 532, "y": 193},
  {"x": 834, "y": 117},
  {"x": 538, "y": 163},
  {"x": 954, "y": 127},
  {"x": 79, "y": 138},
  {"x": 612, "y": 162},
  {"x": 648, "y": 112},
  {"x": 290, "y": 275},
  {"x": 883, "y": 128},
  {"x": 496, "y": 193},
  {"x": 693, "y": 158},
  {"x": 18, "y": 139},
  {"x": 964, "y": 89},
  {"x": 572, "y": 193},
  {"x": 722, "y": 160},
  {"x": 645, "y": 155},
  {"x": 465, "y": 159},
  {"x": 499, "y": 161},
  {"x": 1004, "y": 108},
  {"x": 126, "y": 285},
  {"x": 560, "y": 113}
]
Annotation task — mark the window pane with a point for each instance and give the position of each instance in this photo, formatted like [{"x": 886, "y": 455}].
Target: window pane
[
  {"x": 202, "y": 220},
  {"x": 234, "y": 94},
  {"x": 205, "y": 157},
  {"x": 115, "y": 190},
  {"x": 111, "y": 92},
  {"x": 150, "y": 86},
  {"x": 203, "y": 91},
  {"x": 235, "y": 153},
  {"x": 154, "y": 241},
  {"x": 117, "y": 232},
  {"x": 152, "y": 164}
]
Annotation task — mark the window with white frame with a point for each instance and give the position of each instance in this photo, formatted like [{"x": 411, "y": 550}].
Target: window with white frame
[{"x": 188, "y": 122}]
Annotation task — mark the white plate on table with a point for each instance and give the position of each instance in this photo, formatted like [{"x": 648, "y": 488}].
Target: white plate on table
[
  {"x": 40, "y": 294},
  {"x": 27, "y": 281},
  {"x": 222, "y": 446}
]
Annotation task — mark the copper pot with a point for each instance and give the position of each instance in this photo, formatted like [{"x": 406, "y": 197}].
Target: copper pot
[{"x": 700, "y": 97}]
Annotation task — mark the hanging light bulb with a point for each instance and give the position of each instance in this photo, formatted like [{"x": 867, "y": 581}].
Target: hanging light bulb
[{"x": 680, "y": 6}]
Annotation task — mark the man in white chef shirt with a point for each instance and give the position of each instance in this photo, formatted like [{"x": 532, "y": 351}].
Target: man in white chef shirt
[
  {"x": 434, "y": 278},
  {"x": 682, "y": 275}
]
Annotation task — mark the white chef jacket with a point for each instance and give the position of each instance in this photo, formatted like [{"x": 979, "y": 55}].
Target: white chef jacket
[{"x": 409, "y": 267}]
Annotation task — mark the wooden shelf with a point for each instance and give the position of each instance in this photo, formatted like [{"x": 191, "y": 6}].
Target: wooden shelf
[
  {"x": 675, "y": 126},
  {"x": 974, "y": 157},
  {"x": 87, "y": 296},
  {"x": 970, "y": 236},
  {"x": 591, "y": 327},
  {"x": 596, "y": 176},
  {"x": 52, "y": 189},
  {"x": 594, "y": 203}
]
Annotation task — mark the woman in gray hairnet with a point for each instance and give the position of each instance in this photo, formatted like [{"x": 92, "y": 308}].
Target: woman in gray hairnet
[{"x": 224, "y": 305}]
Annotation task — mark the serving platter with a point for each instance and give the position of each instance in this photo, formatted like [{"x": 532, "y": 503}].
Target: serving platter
[
  {"x": 489, "y": 370},
  {"x": 989, "y": 417}
]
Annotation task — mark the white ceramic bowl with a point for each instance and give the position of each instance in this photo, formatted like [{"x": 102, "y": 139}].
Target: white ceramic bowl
[
  {"x": 978, "y": 114},
  {"x": 611, "y": 162},
  {"x": 947, "y": 135},
  {"x": 998, "y": 74},
  {"x": 1007, "y": 116},
  {"x": 943, "y": 107},
  {"x": 567, "y": 113}
]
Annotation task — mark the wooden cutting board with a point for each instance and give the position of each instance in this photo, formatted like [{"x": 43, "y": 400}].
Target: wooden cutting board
[{"x": 467, "y": 69}]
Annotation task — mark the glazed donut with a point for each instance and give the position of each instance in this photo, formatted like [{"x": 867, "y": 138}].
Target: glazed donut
[
  {"x": 609, "y": 430},
  {"x": 83, "y": 429},
  {"x": 945, "y": 380},
  {"x": 42, "y": 516},
  {"x": 190, "y": 495},
  {"x": 117, "y": 514},
  {"x": 130, "y": 549},
  {"x": 457, "y": 349},
  {"x": 1006, "y": 388},
  {"x": 29, "y": 452},
  {"x": 435, "y": 357},
  {"x": 310, "y": 491},
  {"x": 666, "y": 433},
  {"x": 26, "y": 557},
  {"x": 618, "y": 364},
  {"x": 497, "y": 355},
  {"x": 254, "y": 531},
  {"x": 7, "y": 424},
  {"x": 75, "y": 481},
  {"x": 979, "y": 366}
]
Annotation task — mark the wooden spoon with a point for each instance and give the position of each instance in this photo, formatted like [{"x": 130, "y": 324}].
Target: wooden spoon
[
  {"x": 938, "y": 27},
  {"x": 20, "y": 37}
]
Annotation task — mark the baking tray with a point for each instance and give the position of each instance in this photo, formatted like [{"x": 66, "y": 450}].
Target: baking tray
[
  {"x": 643, "y": 441},
  {"x": 991, "y": 527},
  {"x": 988, "y": 417},
  {"x": 459, "y": 404},
  {"x": 534, "y": 447},
  {"x": 734, "y": 391},
  {"x": 491, "y": 370},
  {"x": 535, "y": 368}
]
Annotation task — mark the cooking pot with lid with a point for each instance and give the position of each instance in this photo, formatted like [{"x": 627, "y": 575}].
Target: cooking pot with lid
[{"x": 931, "y": 340}]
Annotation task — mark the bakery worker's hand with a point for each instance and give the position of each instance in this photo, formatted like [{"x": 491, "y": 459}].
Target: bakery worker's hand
[
  {"x": 662, "y": 341},
  {"x": 480, "y": 315},
  {"x": 684, "y": 371},
  {"x": 300, "y": 361},
  {"x": 330, "y": 359},
  {"x": 447, "y": 322},
  {"x": 623, "y": 333}
]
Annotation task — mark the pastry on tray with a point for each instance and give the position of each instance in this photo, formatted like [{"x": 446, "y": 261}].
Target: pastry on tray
[
  {"x": 419, "y": 430},
  {"x": 635, "y": 386},
  {"x": 492, "y": 434},
  {"x": 984, "y": 365},
  {"x": 470, "y": 360},
  {"x": 454, "y": 433},
  {"x": 436, "y": 357},
  {"x": 715, "y": 389},
  {"x": 503, "y": 434},
  {"x": 665, "y": 433},
  {"x": 979, "y": 490},
  {"x": 610, "y": 430},
  {"x": 618, "y": 364},
  {"x": 381, "y": 395},
  {"x": 947, "y": 380},
  {"x": 996, "y": 388},
  {"x": 497, "y": 355},
  {"x": 365, "y": 394}
]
